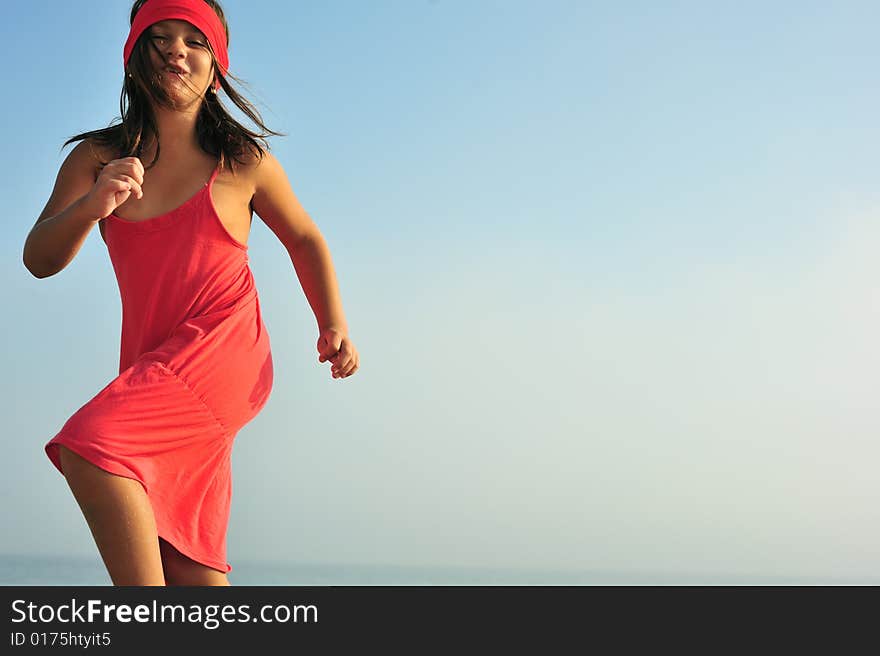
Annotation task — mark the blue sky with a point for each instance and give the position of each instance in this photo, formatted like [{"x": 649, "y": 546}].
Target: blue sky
[{"x": 611, "y": 269}]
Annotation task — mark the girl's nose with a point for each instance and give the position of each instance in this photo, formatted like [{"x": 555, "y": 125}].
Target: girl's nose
[{"x": 175, "y": 45}]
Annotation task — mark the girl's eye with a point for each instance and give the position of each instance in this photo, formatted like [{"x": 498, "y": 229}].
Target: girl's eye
[{"x": 198, "y": 43}]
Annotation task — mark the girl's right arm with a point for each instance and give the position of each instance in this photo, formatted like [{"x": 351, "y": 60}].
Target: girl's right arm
[{"x": 78, "y": 202}]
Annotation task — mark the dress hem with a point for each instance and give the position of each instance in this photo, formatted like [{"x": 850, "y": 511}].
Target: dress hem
[{"x": 117, "y": 468}]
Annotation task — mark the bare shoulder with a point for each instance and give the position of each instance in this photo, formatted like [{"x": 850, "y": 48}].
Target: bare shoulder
[
  {"x": 245, "y": 167},
  {"x": 96, "y": 155},
  {"x": 253, "y": 166},
  {"x": 86, "y": 158},
  {"x": 277, "y": 205},
  {"x": 75, "y": 178}
]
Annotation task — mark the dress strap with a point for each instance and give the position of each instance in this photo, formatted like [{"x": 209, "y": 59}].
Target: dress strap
[{"x": 216, "y": 171}]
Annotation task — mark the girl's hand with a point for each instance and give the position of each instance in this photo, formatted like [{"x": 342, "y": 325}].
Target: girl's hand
[
  {"x": 335, "y": 346},
  {"x": 117, "y": 181}
]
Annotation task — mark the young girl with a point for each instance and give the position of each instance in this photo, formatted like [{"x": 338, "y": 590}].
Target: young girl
[{"x": 172, "y": 189}]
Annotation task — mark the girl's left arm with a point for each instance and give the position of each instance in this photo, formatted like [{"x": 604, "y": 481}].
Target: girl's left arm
[{"x": 277, "y": 205}]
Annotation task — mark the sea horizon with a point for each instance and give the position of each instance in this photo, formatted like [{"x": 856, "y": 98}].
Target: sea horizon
[{"x": 65, "y": 570}]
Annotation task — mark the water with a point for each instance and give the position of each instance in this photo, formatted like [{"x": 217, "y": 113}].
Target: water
[{"x": 18, "y": 569}]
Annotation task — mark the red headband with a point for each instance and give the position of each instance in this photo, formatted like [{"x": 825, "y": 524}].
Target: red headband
[{"x": 196, "y": 12}]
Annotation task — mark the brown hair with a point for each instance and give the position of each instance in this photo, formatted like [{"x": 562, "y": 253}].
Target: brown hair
[{"x": 217, "y": 131}]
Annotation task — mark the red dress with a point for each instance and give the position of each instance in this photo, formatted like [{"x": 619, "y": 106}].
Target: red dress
[{"x": 195, "y": 366}]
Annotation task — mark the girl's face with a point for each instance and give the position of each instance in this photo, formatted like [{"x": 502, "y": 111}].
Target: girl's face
[{"x": 181, "y": 45}]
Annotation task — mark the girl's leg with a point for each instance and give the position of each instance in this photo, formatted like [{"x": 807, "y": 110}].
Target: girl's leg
[
  {"x": 182, "y": 570},
  {"x": 121, "y": 520}
]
